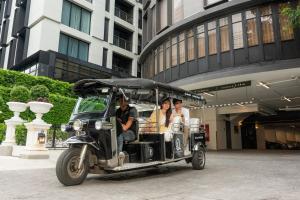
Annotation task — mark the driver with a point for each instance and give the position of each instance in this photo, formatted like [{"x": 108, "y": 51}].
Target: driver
[{"x": 126, "y": 123}]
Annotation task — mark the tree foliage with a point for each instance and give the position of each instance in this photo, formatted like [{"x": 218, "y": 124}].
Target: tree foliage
[{"x": 293, "y": 14}]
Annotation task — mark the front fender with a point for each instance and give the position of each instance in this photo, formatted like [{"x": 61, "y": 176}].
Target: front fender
[
  {"x": 198, "y": 146},
  {"x": 82, "y": 140}
]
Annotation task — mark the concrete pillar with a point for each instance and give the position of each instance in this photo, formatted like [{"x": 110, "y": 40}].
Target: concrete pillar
[
  {"x": 208, "y": 116},
  {"x": 109, "y": 58},
  {"x": 35, "y": 149}
]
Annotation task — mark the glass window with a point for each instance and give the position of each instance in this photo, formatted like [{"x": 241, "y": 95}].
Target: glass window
[
  {"x": 161, "y": 58},
  {"x": 153, "y": 21},
  {"x": 85, "y": 21},
  {"x": 201, "y": 41},
  {"x": 152, "y": 65},
  {"x": 73, "y": 47},
  {"x": 174, "y": 51},
  {"x": 181, "y": 48},
  {"x": 212, "y": 38},
  {"x": 83, "y": 51},
  {"x": 267, "y": 24},
  {"x": 178, "y": 13},
  {"x": 65, "y": 18},
  {"x": 168, "y": 54},
  {"x": 155, "y": 62},
  {"x": 63, "y": 44},
  {"x": 251, "y": 28},
  {"x": 76, "y": 17},
  {"x": 237, "y": 31},
  {"x": 191, "y": 45},
  {"x": 163, "y": 13},
  {"x": 224, "y": 34},
  {"x": 286, "y": 28}
]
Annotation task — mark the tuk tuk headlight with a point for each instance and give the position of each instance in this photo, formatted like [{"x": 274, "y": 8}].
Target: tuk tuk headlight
[
  {"x": 98, "y": 125},
  {"x": 63, "y": 128},
  {"x": 104, "y": 125},
  {"x": 77, "y": 125}
]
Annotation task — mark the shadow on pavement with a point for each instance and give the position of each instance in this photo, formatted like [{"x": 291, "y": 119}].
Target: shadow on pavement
[{"x": 144, "y": 173}]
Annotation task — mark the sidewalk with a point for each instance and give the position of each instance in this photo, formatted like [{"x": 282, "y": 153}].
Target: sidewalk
[{"x": 14, "y": 163}]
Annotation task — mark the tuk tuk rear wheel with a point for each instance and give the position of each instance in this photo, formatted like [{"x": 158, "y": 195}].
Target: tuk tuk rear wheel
[
  {"x": 198, "y": 159},
  {"x": 67, "y": 170}
]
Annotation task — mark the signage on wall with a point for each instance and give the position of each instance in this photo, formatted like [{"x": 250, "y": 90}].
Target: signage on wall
[
  {"x": 224, "y": 87},
  {"x": 210, "y": 3}
]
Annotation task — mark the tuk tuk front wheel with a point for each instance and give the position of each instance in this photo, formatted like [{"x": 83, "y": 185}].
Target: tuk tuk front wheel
[
  {"x": 198, "y": 159},
  {"x": 67, "y": 170}
]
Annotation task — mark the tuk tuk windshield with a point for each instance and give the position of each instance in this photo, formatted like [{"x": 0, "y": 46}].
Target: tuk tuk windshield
[{"x": 91, "y": 104}]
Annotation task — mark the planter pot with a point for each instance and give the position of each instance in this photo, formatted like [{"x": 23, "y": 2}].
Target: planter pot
[
  {"x": 39, "y": 108},
  {"x": 17, "y": 108}
]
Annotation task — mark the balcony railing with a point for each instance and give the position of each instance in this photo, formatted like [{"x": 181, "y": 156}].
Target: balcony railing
[
  {"x": 123, "y": 15},
  {"x": 124, "y": 44}
]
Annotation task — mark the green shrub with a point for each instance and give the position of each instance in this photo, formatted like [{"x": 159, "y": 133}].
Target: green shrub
[
  {"x": 19, "y": 94},
  {"x": 6, "y": 113},
  {"x": 61, "y": 96},
  {"x": 21, "y": 133},
  {"x": 61, "y": 111},
  {"x": 39, "y": 93},
  {"x": 59, "y": 135},
  {"x": 9, "y": 78},
  {"x": 2, "y": 132}
]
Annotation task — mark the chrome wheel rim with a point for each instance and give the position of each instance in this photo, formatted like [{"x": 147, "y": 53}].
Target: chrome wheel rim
[
  {"x": 72, "y": 167},
  {"x": 201, "y": 157}
]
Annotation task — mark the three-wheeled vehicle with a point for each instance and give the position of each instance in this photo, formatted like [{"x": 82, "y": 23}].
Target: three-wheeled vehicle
[{"x": 93, "y": 136}]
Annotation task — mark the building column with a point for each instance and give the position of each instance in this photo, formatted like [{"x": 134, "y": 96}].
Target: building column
[
  {"x": 136, "y": 29},
  {"x": 134, "y": 67},
  {"x": 109, "y": 58}
]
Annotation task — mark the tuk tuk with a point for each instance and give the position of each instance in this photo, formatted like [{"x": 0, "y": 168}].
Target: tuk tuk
[{"x": 93, "y": 135}]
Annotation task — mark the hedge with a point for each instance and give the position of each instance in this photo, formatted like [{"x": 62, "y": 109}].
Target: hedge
[
  {"x": 9, "y": 78},
  {"x": 21, "y": 134},
  {"x": 2, "y": 132},
  {"x": 59, "y": 114}
]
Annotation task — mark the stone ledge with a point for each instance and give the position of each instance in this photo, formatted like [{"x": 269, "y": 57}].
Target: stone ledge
[{"x": 6, "y": 150}]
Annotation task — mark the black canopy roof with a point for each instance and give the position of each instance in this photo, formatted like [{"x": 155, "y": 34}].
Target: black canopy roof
[{"x": 82, "y": 87}]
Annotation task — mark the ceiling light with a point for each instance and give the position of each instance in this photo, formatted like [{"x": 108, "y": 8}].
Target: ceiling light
[
  {"x": 208, "y": 94},
  {"x": 286, "y": 99},
  {"x": 264, "y": 85},
  {"x": 240, "y": 104}
]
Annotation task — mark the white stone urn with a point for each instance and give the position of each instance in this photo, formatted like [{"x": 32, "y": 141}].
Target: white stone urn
[
  {"x": 17, "y": 108},
  {"x": 6, "y": 147},
  {"x": 39, "y": 108}
]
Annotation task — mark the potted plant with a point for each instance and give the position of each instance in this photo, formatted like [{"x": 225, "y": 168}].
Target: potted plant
[
  {"x": 39, "y": 101},
  {"x": 19, "y": 96}
]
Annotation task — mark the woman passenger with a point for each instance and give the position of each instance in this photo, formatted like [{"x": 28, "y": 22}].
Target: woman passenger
[{"x": 165, "y": 116}]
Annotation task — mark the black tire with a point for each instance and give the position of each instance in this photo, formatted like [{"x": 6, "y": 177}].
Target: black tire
[
  {"x": 198, "y": 159},
  {"x": 66, "y": 171}
]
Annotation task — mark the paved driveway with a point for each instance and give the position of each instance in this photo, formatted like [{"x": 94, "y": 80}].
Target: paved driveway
[{"x": 228, "y": 175}]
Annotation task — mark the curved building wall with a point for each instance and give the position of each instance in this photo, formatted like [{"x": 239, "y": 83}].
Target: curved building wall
[{"x": 183, "y": 38}]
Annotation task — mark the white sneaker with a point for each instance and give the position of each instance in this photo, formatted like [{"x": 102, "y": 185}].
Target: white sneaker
[{"x": 121, "y": 159}]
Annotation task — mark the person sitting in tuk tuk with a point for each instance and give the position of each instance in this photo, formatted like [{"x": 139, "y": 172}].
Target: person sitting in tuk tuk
[
  {"x": 165, "y": 117},
  {"x": 126, "y": 122},
  {"x": 184, "y": 114}
]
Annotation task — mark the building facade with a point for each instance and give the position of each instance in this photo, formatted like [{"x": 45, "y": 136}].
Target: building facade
[
  {"x": 71, "y": 39},
  {"x": 242, "y": 55}
]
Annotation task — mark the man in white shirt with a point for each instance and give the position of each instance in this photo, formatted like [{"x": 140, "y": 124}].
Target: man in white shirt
[{"x": 184, "y": 113}]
